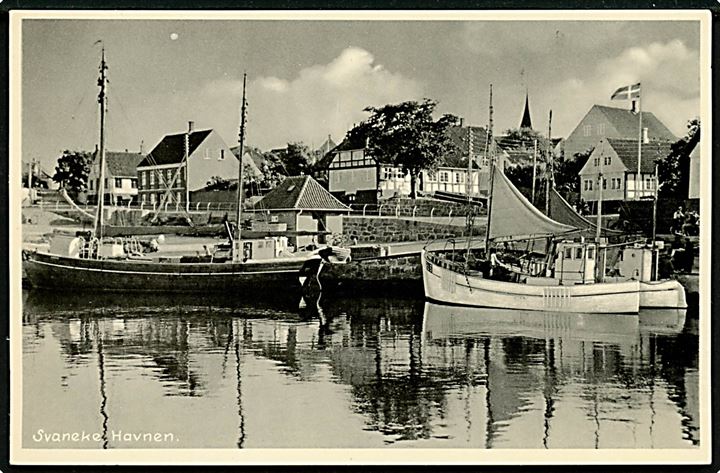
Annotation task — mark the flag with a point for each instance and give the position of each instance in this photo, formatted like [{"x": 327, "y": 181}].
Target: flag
[{"x": 626, "y": 93}]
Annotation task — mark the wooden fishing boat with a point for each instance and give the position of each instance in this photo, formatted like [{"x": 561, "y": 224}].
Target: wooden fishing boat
[
  {"x": 561, "y": 270},
  {"x": 95, "y": 262}
]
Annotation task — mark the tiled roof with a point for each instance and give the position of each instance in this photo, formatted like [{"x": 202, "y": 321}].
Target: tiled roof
[
  {"x": 171, "y": 149},
  {"x": 626, "y": 123},
  {"x": 122, "y": 164},
  {"x": 300, "y": 193},
  {"x": 517, "y": 153},
  {"x": 459, "y": 136},
  {"x": 627, "y": 151}
]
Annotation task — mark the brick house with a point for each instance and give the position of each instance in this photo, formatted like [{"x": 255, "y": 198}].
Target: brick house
[
  {"x": 121, "y": 184},
  {"x": 165, "y": 175},
  {"x": 617, "y": 160},
  {"x": 610, "y": 122}
]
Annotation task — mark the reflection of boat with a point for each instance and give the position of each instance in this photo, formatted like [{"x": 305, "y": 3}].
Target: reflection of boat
[
  {"x": 662, "y": 321},
  {"x": 443, "y": 321},
  {"x": 91, "y": 262}
]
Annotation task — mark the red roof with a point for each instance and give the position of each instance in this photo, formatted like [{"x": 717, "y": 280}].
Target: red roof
[{"x": 627, "y": 151}]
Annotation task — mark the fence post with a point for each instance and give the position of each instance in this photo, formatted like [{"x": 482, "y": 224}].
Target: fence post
[
  {"x": 364, "y": 207},
  {"x": 177, "y": 204},
  {"x": 432, "y": 211},
  {"x": 154, "y": 203},
  {"x": 166, "y": 204},
  {"x": 57, "y": 205},
  {"x": 397, "y": 210},
  {"x": 197, "y": 206},
  {"x": 208, "y": 207},
  {"x": 142, "y": 204},
  {"x": 129, "y": 202},
  {"x": 450, "y": 215},
  {"x": 380, "y": 210},
  {"x": 414, "y": 210}
]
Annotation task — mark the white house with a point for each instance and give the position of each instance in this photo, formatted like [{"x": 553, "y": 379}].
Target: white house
[{"x": 121, "y": 184}]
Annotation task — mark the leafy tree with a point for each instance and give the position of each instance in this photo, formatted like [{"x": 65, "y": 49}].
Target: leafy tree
[
  {"x": 405, "y": 135},
  {"x": 72, "y": 171},
  {"x": 674, "y": 169},
  {"x": 296, "y": 159},
  {"x": 521, "y": 176},
  {"x": 524, "y": 138},
  {"x": 567, "y": 173}
]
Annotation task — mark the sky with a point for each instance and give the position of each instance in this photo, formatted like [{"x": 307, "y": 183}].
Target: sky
[{"x": 311, "y": 79}]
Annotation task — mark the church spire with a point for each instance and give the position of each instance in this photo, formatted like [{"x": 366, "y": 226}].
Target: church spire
[{"x": 526, "y": 122}]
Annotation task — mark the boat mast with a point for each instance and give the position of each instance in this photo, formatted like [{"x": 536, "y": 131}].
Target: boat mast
[
  {"x": 102, "y": 99},
  {"x": 492, "y": 176},
  {"x": 240, "y": 164},
  {"x": 549, "y": 178}
]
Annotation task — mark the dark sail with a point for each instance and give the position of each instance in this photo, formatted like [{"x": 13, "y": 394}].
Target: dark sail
[{"x": 562, "y": 211}]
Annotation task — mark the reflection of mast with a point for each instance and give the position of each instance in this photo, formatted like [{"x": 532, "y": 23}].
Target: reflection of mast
[
  {"x": 241, "y": 417},
  {"x": 549, "y": 391},
  {"x": 486, "y": 353},
  {"x": 103, "y": 394}
]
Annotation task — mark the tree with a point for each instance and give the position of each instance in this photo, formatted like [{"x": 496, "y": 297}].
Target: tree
[
  {"x": 524, "y": 138},
  {"x": 674, "y": 169},
  {"x": 406, "y": 135},
  {"x": 567, "y": 174},
  {"x": 296, "y": 159},
  {"x": 72, "y": 171}
]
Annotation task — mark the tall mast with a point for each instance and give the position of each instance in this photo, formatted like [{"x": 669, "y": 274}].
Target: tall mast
[
  {"x": 102, "y": 99},
  {"x": 240, "y": 164},
  {"x": 492, "y": 176},
  {"x": 549, "y": 179}
]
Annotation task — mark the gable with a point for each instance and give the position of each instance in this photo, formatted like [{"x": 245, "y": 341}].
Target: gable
[{"x": 300, "y": 193}]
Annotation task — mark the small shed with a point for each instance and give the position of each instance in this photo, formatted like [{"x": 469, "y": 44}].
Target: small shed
[{"x": 303, "y": 205}]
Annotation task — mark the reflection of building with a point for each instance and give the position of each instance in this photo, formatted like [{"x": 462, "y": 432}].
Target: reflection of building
[{"x": 377, "y": 371}]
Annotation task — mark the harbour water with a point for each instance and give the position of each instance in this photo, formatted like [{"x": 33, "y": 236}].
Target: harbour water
[{"x": 128, "y": 371}]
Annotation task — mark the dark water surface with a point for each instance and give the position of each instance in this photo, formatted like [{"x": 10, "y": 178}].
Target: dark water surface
[{"x": 129, "y": 371}]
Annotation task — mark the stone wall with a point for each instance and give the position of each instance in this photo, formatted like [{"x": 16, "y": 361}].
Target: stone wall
[
  {"x": 390, "y": 229},
  {"x": 423, "y": 207}
]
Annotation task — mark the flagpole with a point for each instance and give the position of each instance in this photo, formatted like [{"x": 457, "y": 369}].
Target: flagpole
[{"x": 640, "y": 140}]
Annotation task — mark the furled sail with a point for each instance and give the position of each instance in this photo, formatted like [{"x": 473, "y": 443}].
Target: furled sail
[
  {"x": 514, "y": 217},
  {"x": 562, "y": 211}
]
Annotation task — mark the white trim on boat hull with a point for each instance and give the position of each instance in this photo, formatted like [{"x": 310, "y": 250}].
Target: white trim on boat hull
[
  {"x": 447, "y": 286},
  {"x": 667, "y": 294}
]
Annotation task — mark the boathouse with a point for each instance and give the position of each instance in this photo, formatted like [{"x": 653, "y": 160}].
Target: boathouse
[{"x": 300, "y": 204}]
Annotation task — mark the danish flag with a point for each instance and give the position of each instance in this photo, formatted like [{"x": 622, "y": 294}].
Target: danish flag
[{"x": 626, "y": 93}]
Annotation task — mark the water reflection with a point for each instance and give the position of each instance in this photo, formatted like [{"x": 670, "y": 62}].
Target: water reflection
[{"x": 362, "y": 372}]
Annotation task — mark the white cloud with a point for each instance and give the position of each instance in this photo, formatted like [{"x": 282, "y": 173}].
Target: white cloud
[
  {"x": 669, "y": 73},
  {"x": 322, "y": 99}
]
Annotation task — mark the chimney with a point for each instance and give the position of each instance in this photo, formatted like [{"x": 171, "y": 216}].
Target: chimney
[
  {"x": 634, "y": 107},
  {"x": 645, "y": 138},
  {"x": 191, "y": 127},
  {"x": 461, "y": 122}
]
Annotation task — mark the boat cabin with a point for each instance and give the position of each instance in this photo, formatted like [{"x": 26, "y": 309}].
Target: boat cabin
[
  {"x": 575, "y": 262},
  {"x": 639, "y": 262}
]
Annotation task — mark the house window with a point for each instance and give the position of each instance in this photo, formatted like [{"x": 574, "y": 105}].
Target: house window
[
  {"x": 568, "y": 253},
  {"x": 596, "y": 162},
  {"x": 601, "y": 129},
  {"x": 222, "y": 154},
  {"x": 133, "y": 183},
  {"x": 608, "y": 160},
  {"x": 604, "y": 182},
  {"x": 152, "y": 179},
  {"x": 590, "y": 184},
  {"x": 168, "y": 173},
  {"x": 431, "y": 177},
  {"x": 179, "y": 197},
  {"x": 648, "y": 183},
  {"x": 587, "y": 130},
  {"x": 142, "y": 198},
  {"x": 152, "y": 197},
  {"x": 578, "y": 253},
  {"x": 118, "y": 182},
  {"x": 143, "y": 179},
  {"x": 91, "y": 183},
  {"x": 444, "y": 176},
  {"x": 207, "y": 154},
  {"x": 459, "y": 178},
  {"x": 591, "y": 252}
]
